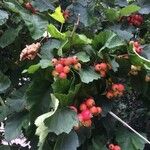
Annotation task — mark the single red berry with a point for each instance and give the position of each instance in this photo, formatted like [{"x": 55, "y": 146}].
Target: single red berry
[
  {"x": 73, "y": 108},
  {"x": 28, "y": 6},
  {"x": 86, "y": 114},
  {"x": 121, "y": 87},
  {"x": 109, "y": 94},
  {"x": 59, "y": 68},
  {"x": 103, "y": 66},
  {"x": 90, "y": 102},
  {"x": 103, "y": 73},
  {"x": 114, "y": 87},
  {"x": 66, "y": 69},
  {"x": 83, "y": 107},
  {"x": 77, "y": 66},
  {"x": 68, "y": 61},
  {"x": 62, "y": 61},
  {"x": 63, "y": 75},
  {"x": 99, "y": 110},
  {"x": 97, "y": 67},
  {"x": 111, "y": 146},
  {"x": 94, "y": 110},
  {"x": 117, "y": 147},
  {"x": 87, "y": 123}
]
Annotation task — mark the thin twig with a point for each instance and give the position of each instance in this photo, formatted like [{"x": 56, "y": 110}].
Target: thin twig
[
  {"x": 75, "y": 25},
  {"x": 61, "y": 27},
  {"x": 125, "y": 124}
]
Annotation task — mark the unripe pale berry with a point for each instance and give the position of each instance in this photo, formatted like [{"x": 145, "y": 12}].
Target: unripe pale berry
[
  {"x": 55, "y": 73},
  {"x": 77, "y": 66},
  {"x": 54, "y": 61}
]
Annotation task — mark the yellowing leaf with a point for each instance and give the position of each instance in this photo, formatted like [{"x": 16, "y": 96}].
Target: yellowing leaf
[{"x": 58, "y": 15}]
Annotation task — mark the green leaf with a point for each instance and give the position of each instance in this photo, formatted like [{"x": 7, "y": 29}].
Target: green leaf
[
  {"x": 62, "y": 121},
  {"x": 42, "y": 130},
  {"x": 44, "y": 63},
  {"x": 126, "y": 11},
  {"x": 112, "y": 14},
  {"x": 5, "y": 39},
  {"x": 32, "y": 69},
  {"x": 107, "y": 39},
  {"x": 98, "y": 143},
  {"x": 4, "y": 147},
  {"x": 48, "y": 47},
  {"x": 36, "y": 24},
  {"x": 17, "y": 100},
  {"x": 88, "y": 75},
  {"x": 83, "y": 56},
  {"x": 67, "y": 141},
  {"x": 129, "y": 139},
  {"x": 43, "y": 5},
  {"x": 55, "y": 33},
  {"x": 3, "y": 17},
  {"x": 58, "y": 15},
  {"x": 14, "y": 124},
  {"x": 65, "y": 90},
  {"x": 4, "y": 83}
]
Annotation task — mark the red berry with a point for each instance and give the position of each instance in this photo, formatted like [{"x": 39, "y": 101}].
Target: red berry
[
  {"x": 73, "y": 108},
  {"x": 109, "y": 94},
  {"x": 86, "y": 114},
  {"x": 87, "y": 123},
  {"x": 77, "y": 66},
  {"x": 62, "y": 61},
  {"x": 99, "y": 110},
  {"x": 117, "y": 147},
  {"x": 90, "y": 102},
  {"x": 59, "y": 68},
  {"x": 111, "y": 146},
  {"x": 28, "y": 6},
  {"x": 66, "y": 69},
  {"x": 83, "y": 107},
  {"x": 103, "y": 66},
  {"x": 94, "y": 110},
  {"x": 63, "y": 75},
  {"x": 136, "y": 44},
  {"x": 103, "y": 73},
  {"x": 114, "y": 87},
  {"x": 68, "y": 61},
  {"x": 121, "y": 87},
  {"x": 97, "y": 67}
]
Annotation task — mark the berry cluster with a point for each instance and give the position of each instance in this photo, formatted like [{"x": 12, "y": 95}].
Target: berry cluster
[
  {"x": 87, "y": 111},
  {"x": 114, "y": 147},
  {"x": 136, "y": 46},
  {"x": 102, "y": 68},
  {"x": 63, "y": 66},
  {"x": 115, "y": 91},
  {"x": 29, "y": 6},
  {"x": 135, "y": 19}
]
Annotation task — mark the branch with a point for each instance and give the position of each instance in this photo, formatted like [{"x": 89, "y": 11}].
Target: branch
[
  {"x": 125, "y": 124},
  {"x": 75, "y": 25}
]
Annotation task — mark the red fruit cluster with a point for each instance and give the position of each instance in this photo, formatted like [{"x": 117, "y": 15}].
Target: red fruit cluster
[
  {"x": 63, "y": 66},
  {"x": 114, "y": 147},
  {"x": 87, "y": 111},
  {"x": 137, "y": 46},
  {"x": 135, "y": 19},
  {"x": 115, "y": 91},
  {"x": 29, "y": 6},
  {"x": 102, "y": 68}
]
